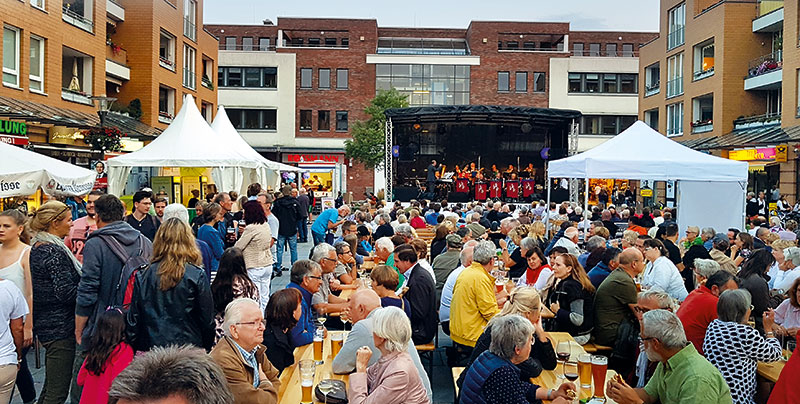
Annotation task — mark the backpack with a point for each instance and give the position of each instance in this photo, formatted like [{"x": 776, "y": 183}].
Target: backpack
[{"x": 131, "y": 265}]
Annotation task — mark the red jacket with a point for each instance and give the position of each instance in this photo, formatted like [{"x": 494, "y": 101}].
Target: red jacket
[
  {"x": 786, "y": 391},
  {"x": 418, "y": 222},
  {"x": 95, "y": 388},
  {"x": 696, "y": 313}
]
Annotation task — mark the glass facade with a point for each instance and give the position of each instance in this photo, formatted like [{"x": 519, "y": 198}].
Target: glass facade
[{"x": 426, "y": 84}]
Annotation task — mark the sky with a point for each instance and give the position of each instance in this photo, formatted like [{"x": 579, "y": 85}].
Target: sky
[{"x": 616, "y": 15}]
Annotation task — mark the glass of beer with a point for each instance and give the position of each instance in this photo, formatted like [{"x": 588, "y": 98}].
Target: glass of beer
[
  {"x": 337, "y": 340},
  {"x": 585, "y": 370},
  {"x": 599, "y": 369},
  {"x": 318, "y": 339},
  {"x": 307, "y": 367}
]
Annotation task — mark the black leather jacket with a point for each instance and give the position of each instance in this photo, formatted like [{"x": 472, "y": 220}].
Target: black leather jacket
[{"x": 181, "y": 315}]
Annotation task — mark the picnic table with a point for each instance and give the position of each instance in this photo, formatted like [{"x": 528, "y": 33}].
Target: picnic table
[
  {"x": 771, "y": 371},
  {"x": 290, "y": 391}
]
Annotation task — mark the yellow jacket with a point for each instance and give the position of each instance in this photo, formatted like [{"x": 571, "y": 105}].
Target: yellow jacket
[{"x": 473, "y": 305}]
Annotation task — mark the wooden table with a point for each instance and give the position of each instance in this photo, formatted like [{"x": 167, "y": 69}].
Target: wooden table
[
  {"x": 290, "y": 391},
  {"x": 771, "y": 371},
  {"x": 344, "y": 295},
  {"x": 368, "y": 265},
  {"x": 546, "y": 313},
  {"x": 549, "y": 378}
]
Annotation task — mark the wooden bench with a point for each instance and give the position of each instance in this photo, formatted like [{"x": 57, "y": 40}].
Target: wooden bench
[
  {"x": 427, "y": 350},
  {"x": 595, "y": 348},
  {"x": 456, "y": 375}
]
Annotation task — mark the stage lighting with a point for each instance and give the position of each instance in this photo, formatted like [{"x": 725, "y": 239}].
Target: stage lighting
[
  {"x": 526, "y": 127},
  {"x": 416, "y": 127}
]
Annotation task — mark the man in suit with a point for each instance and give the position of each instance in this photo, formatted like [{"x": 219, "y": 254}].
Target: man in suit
[
  {"x": 421, "y": 295},
  {"x": 431, "y": 176}
]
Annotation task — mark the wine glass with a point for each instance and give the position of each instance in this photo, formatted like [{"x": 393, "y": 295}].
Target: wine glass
[
  {"x": 563, "y": 351},
  {"x": 571, "y": 371},
  {"x": 321, "y": 319},
  {"x": 325, "y": 386}
]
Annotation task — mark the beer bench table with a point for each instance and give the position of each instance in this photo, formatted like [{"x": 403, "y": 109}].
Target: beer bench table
[
  {"x": 291, "y": 391},
  {"x": 771, "y": 371},
  {"x": 344, "y": 295}
]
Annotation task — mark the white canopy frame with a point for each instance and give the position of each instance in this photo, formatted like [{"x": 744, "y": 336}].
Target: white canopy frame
[{"x": 22, "y": 172}]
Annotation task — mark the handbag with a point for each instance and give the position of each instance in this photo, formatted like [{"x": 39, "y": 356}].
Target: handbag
[
  {"x": 337, "y": 395},
  {"x": 627, "y": 341}
]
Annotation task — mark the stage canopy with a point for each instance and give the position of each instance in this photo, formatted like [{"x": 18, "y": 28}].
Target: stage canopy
[
  {"x": 711, "y": 189},
  {"x": 188, "y": 142},
  {"x": 23, "y": 171},
  {"x": 450, "y": 113}
]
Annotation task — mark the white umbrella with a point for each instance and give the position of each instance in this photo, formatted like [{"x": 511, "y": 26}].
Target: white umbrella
[{"x": 22, "y": 172}]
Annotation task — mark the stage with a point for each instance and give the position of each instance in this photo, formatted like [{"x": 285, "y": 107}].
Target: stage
[{"x": 483, "y": 141}]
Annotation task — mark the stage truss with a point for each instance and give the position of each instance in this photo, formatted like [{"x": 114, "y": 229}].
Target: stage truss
[{"x": 387, "y": 160}]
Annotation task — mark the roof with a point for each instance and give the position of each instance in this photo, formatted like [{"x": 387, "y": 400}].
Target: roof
[
  {"x": 481, "y": 112},
  {"x": 29, "y": 111},
  {"x": 747, "y": 137}
]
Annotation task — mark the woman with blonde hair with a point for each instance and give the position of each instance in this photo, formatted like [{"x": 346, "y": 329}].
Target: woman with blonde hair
[
  {"x": 526, "y": 302},
  {"x": 172, "y": 303},
  {"x": 778, "y": 270},
  {"x": 55, "y": 274},
  {"x": 416, "y": 221},
  {"x": 537, "y": 232},
  {"x": 792, "y": 264}
]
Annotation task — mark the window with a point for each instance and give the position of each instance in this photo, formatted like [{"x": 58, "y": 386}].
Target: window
[
  {"x": 675, "y": 75},
  {"x": 36, "y": 76},
  {"x": 341, "y": 120},
  {"x": 704, "y": 60},
  {"x": 675, "y": 119},
  {"x": 611, "y": 49},
  {"x": 652, "y": 79},
  {"x": 250, "y": 77},
  {"x": 166, "y": 104},
  {"x": 521, "y": 82},
  {"x": 627, "y": 50},
  {"x": 247, "y": 43},
  {"x": 189, "y": 60},
  {"x": 345, "y": 42},
  {"x": 502, "y": 81},
  {"x": 330, "y": 42},
  {"x": 78, "y": 13},
  {"x": 313, "y": 42},
  {"x": 529, "y": 45},
  {"x": 605, "y": 124},
  {"x": 324, "y": 121},
  {"x": 305, "y": 78},
  {"x": 208, "y": 67},
  {"x": 676, "y": 22},
  {"x": 594, "y": 49},
  {"x": 539, "y": 82},
  {"x": 512, "y": 45},
  {"x": 605, "y": 83},
  {"x": 76, "y": 76},
  {"x": 342, "y": 77},
  {"x": 263, "y": 44},
  {"x": 166, "y": 50},
  {"x": 324, "y": 79},
  {"x": 189, "y": 18},
  {"x": 426, "y": 84},
  {"x": 651, "y": 118},
  {"x": 703, "y": 114},
  {"x": 575, "y": 82},
  {"x": 207, "y": 110},
  {"x": 610, "y": 84},
  {"x": 305, "y": 119},
  {"x": 628, "y": 83},
  {"x": 253, "y": 118},
  {"x": 38, "y": 4},
  {"x": 577, "y": 49},
  {"x": 11, "y": 56},
  {"x": 233, "y": 78},
  {"x": 230, "y": 43}
]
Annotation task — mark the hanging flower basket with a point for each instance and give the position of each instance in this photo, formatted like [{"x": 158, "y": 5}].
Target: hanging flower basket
[{"x": 103, "y": 139}]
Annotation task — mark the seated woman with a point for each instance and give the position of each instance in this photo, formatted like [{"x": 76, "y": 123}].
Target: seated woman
[
  {"x": 787, "y": 315},
  {"x": 523, "y": 301},
  {"x": 364, "y": 246},
  {"x": 660, "y": 273},
  {"x": 384, "y": 282},
  {"x": 572, "y": 299},
  {"x": 416, "y": 221},
  {"x": 735, "y": 348},
  {"x": 515, "y": 262},
  {"x": 494, "y": 377},
  {"x": 282, "y": 313},
  {"x": 538, "y": 272},
  {"x": 394, "y": 379}
]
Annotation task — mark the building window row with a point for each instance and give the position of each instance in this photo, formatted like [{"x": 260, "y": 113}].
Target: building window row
[
  {"x": 266, "y": 119},
  {"x": 190, "y": 19},
  {"x": 675, "y": 119},
  {"x": 597, "y": 49},
  {"x": 189, "y": 61},
  {"x": 249, "y": 44},
  {"x": 315, "y": 42},
  {"x": 248, "y": 77},
  {"x": 676, "y": 26},
  {"x": 520, "y": 82},
  {"x": 324, "y": 78},
  {"x": 604, "y": 83},
  {"x": 605, "y": 124},
  {"x": 323, "y": 120},
  {"x": 425, "y": 84},
  {"x": 675, "y": 75}
]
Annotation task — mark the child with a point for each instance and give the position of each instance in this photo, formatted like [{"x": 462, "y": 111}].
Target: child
[{"x": 108, "y": 356}]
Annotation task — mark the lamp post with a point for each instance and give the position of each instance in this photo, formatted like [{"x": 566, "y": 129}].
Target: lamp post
[{"x": 103, "y": 106}]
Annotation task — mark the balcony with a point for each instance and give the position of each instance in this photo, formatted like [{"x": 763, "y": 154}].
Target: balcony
[
  {"x": 75, "y": 96},
  {"x": 76, "y": 19},
  {"x": 115, "y": 10},
  {"x": 189, "y": 29},
  {"x": 699, "y": 75},
  {"x": 757, "y": 121},
  {"x": 770, "y": 16},
  {"x": 165, "y": 117},
  {"x": 604, "y": 53},
  {"x": 189, "y": 79},
  {"x": 247, "y": 48},
  {"x": 675, "y": 87},
  {"x": 765, "y": 72},
  {"x": 676, "y": 38},
  {"x": 117, "y": 62},
  {"x": 702, "y": 126},
  {"x": 652, "y": 89},
  {"x": 166, "y": 63}
]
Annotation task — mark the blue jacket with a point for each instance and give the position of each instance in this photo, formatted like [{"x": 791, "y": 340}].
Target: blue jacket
[
  {"x": 598, "y": 274},
  {"x": 211, "y": 236},
  {"x": 303, "y": 331},
  {"x": 477, "y": 374}
]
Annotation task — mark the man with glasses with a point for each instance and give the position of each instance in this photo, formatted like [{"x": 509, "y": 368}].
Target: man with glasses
[
  {"x": 345, "y": 271},
  {"x": 241, "y": 356},
  {"x": 307, "y": 278},
  {"x": 647, "y": 301},
  {"x": 141, "y": 219},
  {"x": 324, "y": 301},
  {"x": 700, "y": 307},
  {"x": 83, "y": 227}
]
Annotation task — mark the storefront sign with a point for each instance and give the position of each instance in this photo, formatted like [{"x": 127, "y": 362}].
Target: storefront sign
[
  {"x": 15, "y": 140},
  {"x": 781, "y": 153},
  {"x": 310, "y": 158},
  {"x": 13, "y": 128},
  {"x": 763, "y": 154}
]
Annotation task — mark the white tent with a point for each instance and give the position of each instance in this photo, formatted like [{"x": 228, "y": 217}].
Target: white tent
[
  {"x": 266, "y": 175},
  {"x": 188, "y": 142},
  {"x": 22, "y": 172},
  {"x": 640, "y": 152}
]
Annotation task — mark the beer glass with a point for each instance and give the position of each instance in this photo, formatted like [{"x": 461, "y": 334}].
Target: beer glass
[
  {"x": 337, "y": 340},
  {"x": 585, "y": 370},
  {"x": 307, "y": 367},
  {"x": 318, "y": 339},
  {"x": 599, "y": 369}
]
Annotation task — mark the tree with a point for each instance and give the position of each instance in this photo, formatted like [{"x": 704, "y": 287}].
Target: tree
[{"x": 367, "y": 145}]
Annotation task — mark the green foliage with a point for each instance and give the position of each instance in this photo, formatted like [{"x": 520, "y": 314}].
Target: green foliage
[
  {"x": 367, "y": 145},
  {"x": 103, "y": 139},
  {"x": 134, "y": 109}
]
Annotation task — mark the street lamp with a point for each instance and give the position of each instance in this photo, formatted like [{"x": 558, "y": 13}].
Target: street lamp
[{"x": 103, "y": 106}]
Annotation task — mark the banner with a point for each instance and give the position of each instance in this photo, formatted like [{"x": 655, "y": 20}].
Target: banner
[
  {"x": 495, "y": 189},
  {"x": 462, "y": 185},
  {"x": 527, "y": 188},
  {"x": 512, "y": 189},
  {"x": 480, "y": 191}
]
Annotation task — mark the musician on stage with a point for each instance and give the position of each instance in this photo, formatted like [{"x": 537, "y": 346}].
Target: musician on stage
[
  {"x": 431, "y": 177},
  {"x": 510, "y": 170},
  {"x": 529, "y": 170}
]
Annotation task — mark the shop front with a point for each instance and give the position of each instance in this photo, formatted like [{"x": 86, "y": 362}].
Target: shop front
[
  {"x": 764, "y": 165},
  {"x": 326, "y": 172}
]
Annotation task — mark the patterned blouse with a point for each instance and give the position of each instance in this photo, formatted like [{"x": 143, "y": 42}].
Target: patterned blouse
[
  {"x": 735, "y": 349},
  {"x": 238, "y": 291}
]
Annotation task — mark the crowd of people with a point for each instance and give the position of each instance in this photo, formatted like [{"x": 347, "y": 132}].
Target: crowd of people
[{"x": 129, "y": 305}]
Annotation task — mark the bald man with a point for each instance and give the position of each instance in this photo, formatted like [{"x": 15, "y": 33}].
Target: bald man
[{"x": 362, "y": 304}]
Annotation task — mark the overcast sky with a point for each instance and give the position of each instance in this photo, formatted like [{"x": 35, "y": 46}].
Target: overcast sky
[{"x": 616, "y": 15}]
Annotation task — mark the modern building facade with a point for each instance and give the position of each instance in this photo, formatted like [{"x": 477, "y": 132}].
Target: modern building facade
[
  {"x": 718, "y": 79},
  {"x": 296, "y": 87}
]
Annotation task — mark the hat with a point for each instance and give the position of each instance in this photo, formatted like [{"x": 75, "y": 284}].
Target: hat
[
  {"x": 453, "y": 240},
  {"x": 476, "y": 229}
]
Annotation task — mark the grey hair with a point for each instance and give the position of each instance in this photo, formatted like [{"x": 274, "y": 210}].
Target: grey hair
[
  {"x": 595, "y": 242},
  {"x": 233, "y": 312},
  {"x": 321, "y": 252},
  {"x": 484, "y": 252},
  {"x": 176, "y": 210},
  {"x": 510, "y": 221},
  {"x": 774, "y": 221},
  {"x": 706, "y": 267},
  {"x": 733, "y": 305},
  {"x": 528, "y": 243},
  {"x": 509, "y": 333},
  {"x": 401, "y": 218},
  {"x": 384, "y": 243},
  {"x": 708, "y": 232},
  {"x": 340, "y": 247},
  {"x": 164, "y": 371},
  {"x": 664, "y": 326},
  {"x": 301, "y": 269},
  {"x": 405, "y": 230},
  {"x": 761, "y": 231},
  {"x": 392, "y": 324},
  {"x": 467, "y": 251},
  {"x": 793, "y": 254},
  {"x": 385, "y": 217},
  {"x": 478, "y": 209},
  {"x": 663, "y": 300},
  {"x": 344, "y": 207}
]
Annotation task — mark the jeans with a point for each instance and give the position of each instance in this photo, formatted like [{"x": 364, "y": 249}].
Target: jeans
[
  {"x": 302, "y": 229},
  {"x": 27, "y": 391},
  {"x": 283, "y": 240},
  {"x": 76, "y": 390},
  {"x": 261, "y": 277},
  {"x": 8, "y": 373},
  {"x": 319, "y": 238},
  {"x": 58, "y": 358}
]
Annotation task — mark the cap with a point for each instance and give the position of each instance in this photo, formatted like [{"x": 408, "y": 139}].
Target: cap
[
  {"x": 453, "y": 240},
  {"x": 476, "y": 229}
]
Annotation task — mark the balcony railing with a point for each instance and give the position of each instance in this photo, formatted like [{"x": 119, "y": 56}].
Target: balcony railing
[
  {"x": 322, "y": 45},
  {"x": 675, "y": 87},
  {"x": 701, "y": 74},
  {"x": 676, "y": 38},
  {"x": 75, "y": 96},
  {"x": 189, "y": 79},
  {"x": 207, "y": 83},
  {"x": 76, "y": 19},
  {"x": 768, "y": 6},
  {"x": 116, "y": 54},
  {"x": 165, "y": 117},
  {"x": 248, "y": 48},
  {"x": 753, "y": 121},
  {"x": 166, "y": 63},
  {"x": 189, "y": 28},
  {"x": 765, "y": 64},
  {"x": 702, "y": 126},
  {"x": 604, "y": 53},
  {"x": 651, "y": 89}
]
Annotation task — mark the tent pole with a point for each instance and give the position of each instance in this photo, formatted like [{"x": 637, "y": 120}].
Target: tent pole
[
  {"x": 586, "y": 210},
  {"x": 547, "y": 207}
]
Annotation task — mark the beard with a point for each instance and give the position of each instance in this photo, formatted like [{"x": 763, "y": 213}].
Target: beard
[{"x": 652, "y": 356}]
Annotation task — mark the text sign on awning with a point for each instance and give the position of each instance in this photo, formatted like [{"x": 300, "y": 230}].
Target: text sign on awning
[
  {"x": 15, "y": 140},
  {"x": 762, "y": 154}
]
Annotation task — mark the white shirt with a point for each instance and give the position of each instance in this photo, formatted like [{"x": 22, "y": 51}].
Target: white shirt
[
  {"x": 571, "y": 247},
  {"x": 788, "y": 279},
  {"x": 664, "y": 276},
  {"x": 541, "y": 281},
  {"x": 12, "y": 307},
  {"x": 775, "y": 275},
  {"x": 447, "y": 293},
  {"x": 274, "y": 225}
]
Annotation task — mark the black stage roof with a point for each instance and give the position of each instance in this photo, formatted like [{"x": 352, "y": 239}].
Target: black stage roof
[{"x": 490, "y": 113}]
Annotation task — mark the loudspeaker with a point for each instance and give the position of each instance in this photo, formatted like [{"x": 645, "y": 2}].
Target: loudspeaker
[
  {"x": 406, "y": 194},
  {"x": 458, "y": 197}
]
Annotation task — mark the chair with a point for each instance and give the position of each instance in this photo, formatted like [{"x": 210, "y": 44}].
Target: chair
[
  {"x": 456, "y": 374},
  {"x": 429, "y": 350}
]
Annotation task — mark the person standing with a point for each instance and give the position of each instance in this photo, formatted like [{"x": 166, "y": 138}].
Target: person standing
[
  {"x": 209, "y": 233},
  {"x": 431, "y": 176},
  {"x": 328, "y": 221},
  {"x": 421, "y": 294},
  {"x": 12, "y": 310},
  {"x": 254, "y": 243},
  {"x": 302, "y": 224},
  {"x": 83, "y": 227},
  {"x": 288, "y": 212},
  {"x": 110, "y": 354},
  {"x": 141, "y": 219},
  {"x": 226, "y": 203},
  {"x": 159, "y": 204},
  {"x": 77, "y": 205}
]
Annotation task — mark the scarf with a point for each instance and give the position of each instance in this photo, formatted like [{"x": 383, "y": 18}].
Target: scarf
[
  {"x": 532, "y": 275},
  {"x": 45, "y": 237}
]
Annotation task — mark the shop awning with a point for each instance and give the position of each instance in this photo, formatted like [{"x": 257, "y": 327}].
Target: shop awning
[{"x": 747, "y": 137}]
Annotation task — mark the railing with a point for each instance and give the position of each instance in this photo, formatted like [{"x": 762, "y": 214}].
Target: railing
[
  {"x": 765, "y": 64},
  {"x": 530, "y": 49},
  {"x": 652, "y": 88},
  {"x": 315, "y": 45},
  {"x": 767, "y": 6},
  {"x": 676, "y": 38},
  {"x": 116, "y": 54},
  {"x": 75, "y": 96},
  {"x": 76, "y": 19},
  {"x": 165, "y": 117},
  {"x": 701, "y": 74},
  {"x": 207, "y": 83},
  {"x": 189, "y": 29},
  {"x": 189, "y": 80},
  {"x": 675, "y": 87},
  {"x": 247, "y": 48},
  {"x": 772, "y": 118},
  {"x": 604, "y": 53},
  {"x": 702, "y": 126},
  {"x": 164, "y": 62}
]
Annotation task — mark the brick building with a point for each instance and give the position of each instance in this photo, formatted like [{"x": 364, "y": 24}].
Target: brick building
[{"x": 294, "y": 88}]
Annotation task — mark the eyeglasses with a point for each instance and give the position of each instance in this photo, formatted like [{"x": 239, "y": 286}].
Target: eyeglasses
[
  {"x": 640, "y": 309},
  {"x": 314, "y": 277},
  {"x": 330, "y": 259},
  {"x": 752, "y": 307},
  {"x": 643, "y": 339},
  {"x": 254, "y": 323},
  {"x": 648, "y": 248}
]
